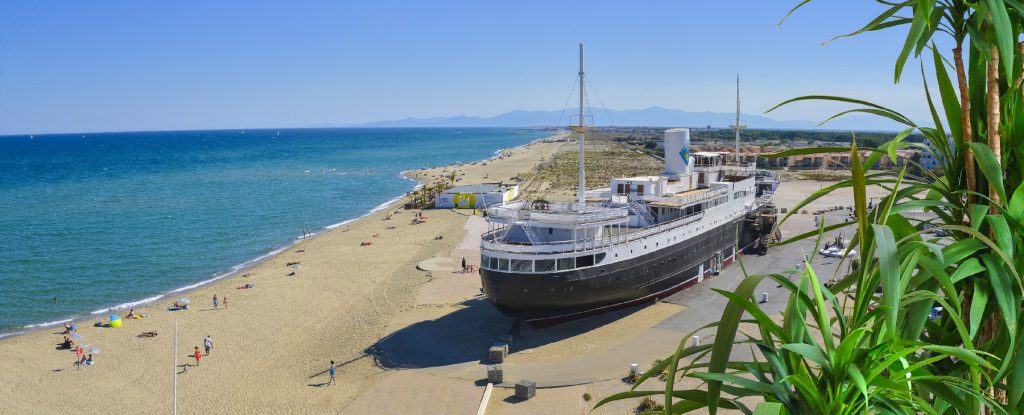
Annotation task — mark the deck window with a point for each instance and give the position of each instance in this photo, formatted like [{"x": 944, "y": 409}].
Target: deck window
[
  {"x": 584, "y": 261},
  {"x": 502, "y": 264},
  {"x": 544, "y": 265},
  {"x": 566, "y": 263},
  {"x": 493, "y": 263},
  {"x": 485, "y": 261},
  {"x": 599, "y": 257},
  {"x": 522, "y": 265}
]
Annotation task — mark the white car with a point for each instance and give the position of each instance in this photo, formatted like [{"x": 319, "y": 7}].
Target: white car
[{"x": 834, "y": 252}]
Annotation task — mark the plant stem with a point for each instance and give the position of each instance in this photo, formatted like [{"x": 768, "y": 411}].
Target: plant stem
[
  {"x": 965, "y": 122},
  {"x": 992, "y": 93}
]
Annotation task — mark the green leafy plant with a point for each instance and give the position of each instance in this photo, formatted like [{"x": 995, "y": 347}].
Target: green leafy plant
[{"x": 844, "y": 349}]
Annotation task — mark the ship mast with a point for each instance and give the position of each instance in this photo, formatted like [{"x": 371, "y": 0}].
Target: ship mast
[
  {"x": 738, "y": 126},
  {"x": 582, "y": 187}
]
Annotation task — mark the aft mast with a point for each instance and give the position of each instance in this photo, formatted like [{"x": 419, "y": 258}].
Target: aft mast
[
  {"x": 739, "y": 125},
  {"x": 582, "y": 186}
]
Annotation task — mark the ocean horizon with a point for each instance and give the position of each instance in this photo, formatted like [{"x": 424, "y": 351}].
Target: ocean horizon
[{"x": 98, "y": 222}]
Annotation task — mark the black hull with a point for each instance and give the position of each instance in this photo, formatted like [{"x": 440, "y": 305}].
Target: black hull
[{"x": 614, "y": 285}]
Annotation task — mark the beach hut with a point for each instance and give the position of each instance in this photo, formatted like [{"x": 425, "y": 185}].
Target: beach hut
[{"x": 476, "y": 196}]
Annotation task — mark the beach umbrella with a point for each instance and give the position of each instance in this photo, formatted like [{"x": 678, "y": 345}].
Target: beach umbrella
[
  {"x": 76, "y": 336},
  {"x": 114, "y": 317}
]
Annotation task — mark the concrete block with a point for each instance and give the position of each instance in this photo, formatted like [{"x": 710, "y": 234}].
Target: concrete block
[
  {"x": 526, "y": 389},
  {"x": 494, "y": 374},
  {"x": 496, "y": 354}
]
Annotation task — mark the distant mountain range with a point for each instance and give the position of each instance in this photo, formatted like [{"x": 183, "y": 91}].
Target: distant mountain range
[{"x": 648, "y": 117}]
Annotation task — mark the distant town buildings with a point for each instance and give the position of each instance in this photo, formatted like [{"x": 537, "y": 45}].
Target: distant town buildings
[{"x": 830, "y": 161}]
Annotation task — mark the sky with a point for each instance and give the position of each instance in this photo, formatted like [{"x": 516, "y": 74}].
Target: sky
[{"x": 85, "y": 66}]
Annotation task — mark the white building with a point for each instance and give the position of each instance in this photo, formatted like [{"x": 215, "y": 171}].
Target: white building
[{"x": 476, "y": 196}]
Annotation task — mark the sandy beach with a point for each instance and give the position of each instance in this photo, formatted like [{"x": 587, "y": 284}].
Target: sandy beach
[
  {"x": 272, "y": 343},
  {"x": 352, "y": 287}
]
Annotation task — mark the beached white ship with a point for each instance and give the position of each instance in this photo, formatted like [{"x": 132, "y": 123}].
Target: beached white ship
[{"x": 640, "y": 239}]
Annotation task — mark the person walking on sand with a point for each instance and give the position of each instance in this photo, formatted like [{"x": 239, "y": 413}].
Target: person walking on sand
[
  {"x": 197, "y": 355},
  {"x": 207, "y": 344},
  {"x": 224, "y": 299},
  {"x": 215, "y": 301},
  {"x": 332, "y": 371},
  {"x": 463, "y": 264}
]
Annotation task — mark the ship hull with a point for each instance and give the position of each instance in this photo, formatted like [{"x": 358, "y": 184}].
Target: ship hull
[{"x": 586, "y": 291}]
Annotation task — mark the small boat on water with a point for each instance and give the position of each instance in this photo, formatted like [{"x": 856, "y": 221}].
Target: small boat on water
[{"x": 638, "y": 240}]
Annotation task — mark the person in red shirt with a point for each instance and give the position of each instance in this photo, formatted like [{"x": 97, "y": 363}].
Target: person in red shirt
[
  {"x": 78, "y": 356},
  {"x": 198, "y": 355}
]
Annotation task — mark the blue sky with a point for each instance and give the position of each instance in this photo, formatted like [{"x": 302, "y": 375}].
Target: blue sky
[{"x": 78, "y": 66}]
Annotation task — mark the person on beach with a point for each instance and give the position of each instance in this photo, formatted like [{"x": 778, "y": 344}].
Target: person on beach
[
  {"x": 464, "y": 264},
  {"x": 131, "y": 314},
  {"x": 215, "y": 301},
  {"x": 224, "y": 299},
  {"x": 197, "y": 355},
  {"x": 332, "y": 371},
  {"x": 207, "y": 344},
  {"x": 88, "y": 361},
  {"x": 78, "y": 356}
]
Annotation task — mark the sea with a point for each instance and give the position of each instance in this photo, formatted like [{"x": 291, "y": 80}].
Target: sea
[{"x": 97, "y": 222}]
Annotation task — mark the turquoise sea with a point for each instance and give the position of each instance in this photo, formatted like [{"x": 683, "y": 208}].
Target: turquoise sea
[{"x": 100, "y": 220}]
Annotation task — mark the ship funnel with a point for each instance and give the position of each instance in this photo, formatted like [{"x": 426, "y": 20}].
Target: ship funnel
[{"x": 677, "y": 151}]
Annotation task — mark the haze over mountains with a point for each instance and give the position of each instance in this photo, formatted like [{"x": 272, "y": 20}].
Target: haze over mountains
[{"x": 648, "y": 117}]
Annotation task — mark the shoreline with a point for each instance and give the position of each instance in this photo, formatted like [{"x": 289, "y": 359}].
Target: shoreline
[{"x": 238, "y": 269}]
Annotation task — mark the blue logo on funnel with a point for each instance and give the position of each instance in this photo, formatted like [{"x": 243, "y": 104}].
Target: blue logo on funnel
[{"x": 685, "y": 154}]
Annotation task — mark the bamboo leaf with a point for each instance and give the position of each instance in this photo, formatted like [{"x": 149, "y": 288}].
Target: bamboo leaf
[
  {"x": 917, "y": 28},
  {"x": 1004, "y": 35},
  {"x": 875, "y": 23},
  {"x": 725, "y": 335},
  {"x": 736, "y": 380},
  {"x": 959, "y": 353},
  {"x": 889, "y": 273},
  {"x": 1004, "y": 289},
  {"x": 810, "y": 352},
  {"x": 904, "y": 120},
  {"x": 1001, "y": 231},
  {"x": 967, "y": 268},
  {"x": 990, "y": 167},
  {"x": 979, "y": 300},
  {"x": 793, "y": 10},
  {"x": 1016, "y": 206},
  {"x": 950, "y": 102}
]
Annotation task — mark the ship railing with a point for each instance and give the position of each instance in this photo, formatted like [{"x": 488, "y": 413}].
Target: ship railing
[
  {"x": 640, "y": 209},
  {"x": 493, "y": 240},
  {"x": 688, "y": 200},
  {"x": 556, "y": 213},
  {"x": 765, "y": 198}
]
